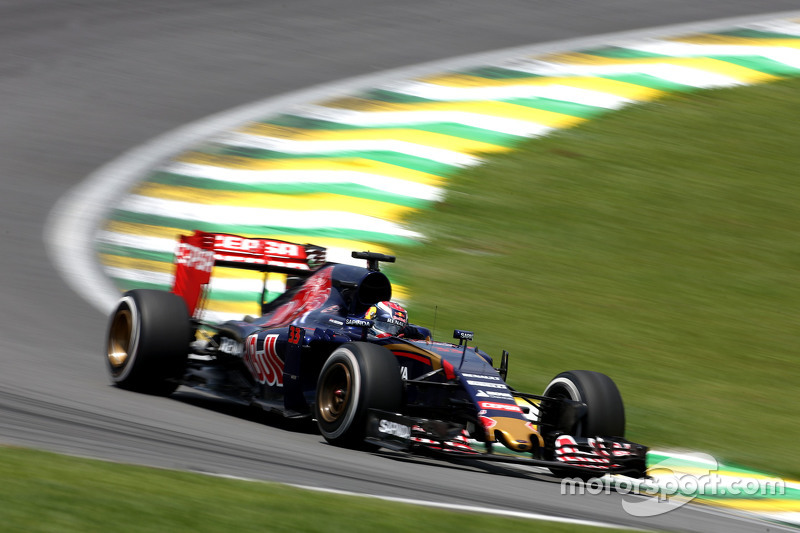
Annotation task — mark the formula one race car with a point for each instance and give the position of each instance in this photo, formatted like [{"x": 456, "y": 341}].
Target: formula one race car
[{"x": 313, "y": 353}]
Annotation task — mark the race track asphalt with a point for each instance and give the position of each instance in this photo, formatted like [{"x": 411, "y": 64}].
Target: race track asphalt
[{"x": 82, "y": 81}]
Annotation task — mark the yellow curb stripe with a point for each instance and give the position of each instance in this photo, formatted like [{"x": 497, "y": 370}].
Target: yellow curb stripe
[
  {"x": 236, "y": 308},
  {"x": 670, "y": 469},
  {"x": 755, "y": 505},
  {"x": 400, "y": 293},
  {"x": 147, "y": 230},
  {"x": 245, "y": 308},
  {"x": 284, "y": 202},
  {"x": 425, "y": 138},
  {"x": 438, "y": 140},
  {"x": 490, "y": 108},
  {"x": 132, "y": 263}
]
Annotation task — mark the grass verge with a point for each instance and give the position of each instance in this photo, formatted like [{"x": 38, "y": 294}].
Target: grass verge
[
  {"x": 44, "y": 492},
  {"x": 658, "y": 244}
]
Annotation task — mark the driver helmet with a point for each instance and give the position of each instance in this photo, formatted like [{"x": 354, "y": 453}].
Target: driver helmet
[{"x": 388, "y": 319}]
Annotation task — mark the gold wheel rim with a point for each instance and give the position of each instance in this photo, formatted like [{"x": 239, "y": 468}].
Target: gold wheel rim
[
  {"x": 119, "y": 338},
  {"x": 335, "y": 392}
]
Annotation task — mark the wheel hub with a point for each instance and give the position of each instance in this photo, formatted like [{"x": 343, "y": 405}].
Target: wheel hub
[
  {"x": 335, "y": 392},
  {"x": 119, "y": 338}
]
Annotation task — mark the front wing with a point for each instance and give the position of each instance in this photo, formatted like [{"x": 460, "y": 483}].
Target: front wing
[{"x": 571, "y": 455}]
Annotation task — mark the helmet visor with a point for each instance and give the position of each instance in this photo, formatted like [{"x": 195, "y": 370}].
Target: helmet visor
[{"x": 392, "y": 326}]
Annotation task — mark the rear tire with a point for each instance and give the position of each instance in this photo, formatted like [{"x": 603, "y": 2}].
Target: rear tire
[
  {"x": 355, "y": 377},
  {"x": 148, "y": 341}
]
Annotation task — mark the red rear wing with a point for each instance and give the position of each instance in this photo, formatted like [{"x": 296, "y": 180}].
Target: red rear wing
[{"x": 197, "y": 255}]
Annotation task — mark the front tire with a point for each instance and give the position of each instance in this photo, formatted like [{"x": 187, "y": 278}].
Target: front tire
[
  {"x": 355, "y": 377},
  {"x": 604, "y": 415},
  {"x": 148, "y": 341},
  {"x": 605, "y": 412}
]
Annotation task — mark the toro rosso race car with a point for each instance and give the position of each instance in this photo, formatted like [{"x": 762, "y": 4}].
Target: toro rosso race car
[{"x": 315, "y": 352}]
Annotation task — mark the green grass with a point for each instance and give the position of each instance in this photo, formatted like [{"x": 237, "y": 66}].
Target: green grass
[
  {"x": 660, "y": 245},
  {"x": 43, "y": 492}
]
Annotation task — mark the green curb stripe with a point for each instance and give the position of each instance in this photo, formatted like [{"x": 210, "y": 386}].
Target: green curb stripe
[
  {"x": 129, "y": 285},
  {"x": 294, "y": 121},
  {"x": 616, "y": 52},
  {"x": 410, "y": 162},
  {"x": 761, "y": 64},
  {"x": 651, "y": 82},
  {"x": 134, "y": 253},
  {"x": 235, "y": 296},
  {"x": 572, "y": 109},
  {"x": 756, "y": 34},
  {"x": 445, "y": 128},
  {"x": 562, "y": 107},
  {"x": 391, "y": 97},
  {"x": 498, "y": 73},
  {"x": 471, "y": 133}
]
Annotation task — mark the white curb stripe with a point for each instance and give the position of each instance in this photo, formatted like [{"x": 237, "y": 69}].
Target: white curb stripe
[
  {"x": 785, "y": 55},
  {"x": 679, "y": 74},
  {"x": 777, "y": 26},
  {"x": 287, "y": 146},
  {"x": 140, "y": 242},
  {"x": 263, "y": 217},
  {"x": 142, "y": 276},
  {"x": 558, "y": 92}
]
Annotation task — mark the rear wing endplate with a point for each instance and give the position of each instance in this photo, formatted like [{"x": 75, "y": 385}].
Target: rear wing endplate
[{"x": 197, "y": 255}]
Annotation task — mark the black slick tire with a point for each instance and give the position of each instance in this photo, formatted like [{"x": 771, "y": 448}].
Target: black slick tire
[
  {"x": 148, "y": 341},
  {"x": 355, "y": 377},
  {"x": 605, "y": 412}
]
